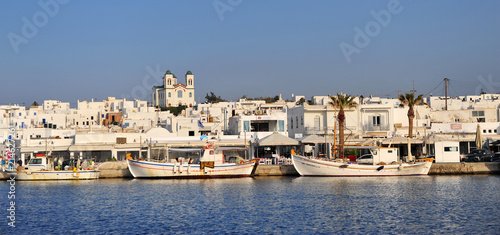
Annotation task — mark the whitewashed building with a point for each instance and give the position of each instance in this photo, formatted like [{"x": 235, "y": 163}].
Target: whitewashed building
[{"x": 173, "y": 93}]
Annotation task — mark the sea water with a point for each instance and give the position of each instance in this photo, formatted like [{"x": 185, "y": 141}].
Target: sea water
[{"x": 260, "y": 205}]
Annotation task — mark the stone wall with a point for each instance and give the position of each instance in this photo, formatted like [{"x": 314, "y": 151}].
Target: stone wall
[
  {"x": 276, "y": 170},
  {"x": 465, "y": 168},
  {"x": 117, "y": 169}
]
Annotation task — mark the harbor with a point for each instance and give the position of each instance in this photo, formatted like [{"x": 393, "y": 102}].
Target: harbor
[
  {"x": 119, "y": 169},
  {"x": 250, "y": 117}
]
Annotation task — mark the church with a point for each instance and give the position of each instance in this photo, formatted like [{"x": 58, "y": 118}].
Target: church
[{"x": 173, "y": 93}]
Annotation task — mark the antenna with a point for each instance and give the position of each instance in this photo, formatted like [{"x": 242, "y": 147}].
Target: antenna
[
  {"x": 446, "y": 93},
  {"x": 413, "y": 91}
]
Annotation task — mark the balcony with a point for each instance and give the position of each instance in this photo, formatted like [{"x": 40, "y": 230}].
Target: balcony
[{"x": 376, "y": 128}]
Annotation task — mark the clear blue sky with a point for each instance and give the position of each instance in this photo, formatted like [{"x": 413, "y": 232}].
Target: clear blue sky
[{"x": 96, "y": 49}]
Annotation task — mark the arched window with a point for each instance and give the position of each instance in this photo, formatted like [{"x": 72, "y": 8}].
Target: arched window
[
  {"x": 190, "y": 82},
  {"x": 190, "y": 94},
  {"x": 169, "y": 82},
  {"x": 179, "y": 94},
  {"x": 169, "y": 95}
]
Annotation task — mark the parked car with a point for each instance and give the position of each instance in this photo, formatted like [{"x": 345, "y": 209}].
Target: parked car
[
  {"x": 496, "y": 157},
  {"x": 478, "y": 155},
  {"x": 365, "y": 159}
]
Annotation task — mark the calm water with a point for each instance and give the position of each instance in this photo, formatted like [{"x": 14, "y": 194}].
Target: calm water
[{"x": 270, "y": 205}]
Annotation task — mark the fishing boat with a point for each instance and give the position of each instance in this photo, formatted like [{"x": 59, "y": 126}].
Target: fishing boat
[
  {"x": 384, "y": 164},
  {"x": 211, "y": 164},
  {"x": 40, "y": 168}
]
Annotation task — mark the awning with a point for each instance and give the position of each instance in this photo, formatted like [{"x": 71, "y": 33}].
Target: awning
[
  {"x": 401, "y": 140},
  {"x": 315, "y": 139},
  {"x": 277, "y": 139},
  {"x": 231, "y": 148},
  {"x": 184, "y": 150},
  {"x": 79, "y": 148},
  {"x": 360, "y": 147}
]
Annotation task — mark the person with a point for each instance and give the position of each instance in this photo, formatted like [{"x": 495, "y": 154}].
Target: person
[
  {"x": 20, "y": 162},
  {"x": 293, "y": 151}
]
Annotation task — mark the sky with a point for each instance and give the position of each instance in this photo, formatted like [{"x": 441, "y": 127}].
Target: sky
[{"x": 72, "y": 50}]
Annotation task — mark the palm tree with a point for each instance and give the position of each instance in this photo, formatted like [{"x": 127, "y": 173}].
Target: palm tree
[
  {"x": 342, "y": 101},
  {"x": 409, "y": 100}
]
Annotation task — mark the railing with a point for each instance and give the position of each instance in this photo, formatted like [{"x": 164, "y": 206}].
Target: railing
[{"x": 376, "y": 128}]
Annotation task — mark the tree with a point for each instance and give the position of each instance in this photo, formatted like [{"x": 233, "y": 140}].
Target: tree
[
  {"x": 342, "y": 101},
  {"x": 409, "y": 100},
  {"x": 301, "y": 101},
  {"x": 174, "y": 110},
  {"x": 212, "y": 98}
]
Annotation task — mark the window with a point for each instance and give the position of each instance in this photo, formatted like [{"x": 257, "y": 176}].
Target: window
[
  {"x": 291, "y": 123},
  {"x": 190, "y": 94},
  {"x": 317, "y": 123},
  {"x": 457, "y": 120},
  {"x": 376, "y": 120},
  {"x": 191, "y": 133},
  {"x": 36, "y": 161},
  {"x": 301, "y": 120},
  {"x": 246, "y": 126},
  {"x": 169, "y": 95},
  {"x": 489, "y": 131},
  {"x": 297, "y": 120},
  {"x": 451, "y": 149},
  {"x": 179, "y": 94},
  {"x": 477, "y": 113},
  {"x": 169, "y": 82},
  {"x": 281, "y": 125}
]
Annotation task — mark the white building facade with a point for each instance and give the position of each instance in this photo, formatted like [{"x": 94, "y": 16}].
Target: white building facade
[{"x": 173, "y": 93}]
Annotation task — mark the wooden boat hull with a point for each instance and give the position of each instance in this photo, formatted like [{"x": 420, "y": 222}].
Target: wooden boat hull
[
  {"x": 314, "y": 167},
  {"x": 57, "y": 175},
  {"x": 147, "y": 169}
]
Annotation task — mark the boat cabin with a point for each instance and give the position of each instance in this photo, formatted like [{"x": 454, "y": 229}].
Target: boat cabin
[
  {"x": 384, "y": 154},
  {"x": 38, "y": 163}
]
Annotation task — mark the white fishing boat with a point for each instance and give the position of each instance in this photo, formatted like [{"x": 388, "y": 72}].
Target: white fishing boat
[
  {"x": 211, "y": 164},
  {"x": 40, "y": 168},
  {"x": 384, "y": 164}
]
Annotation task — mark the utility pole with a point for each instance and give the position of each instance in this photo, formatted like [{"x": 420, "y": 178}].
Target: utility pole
[
  {"x": 446, "y": 93},
  {"x": 413, "y": 91}
]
